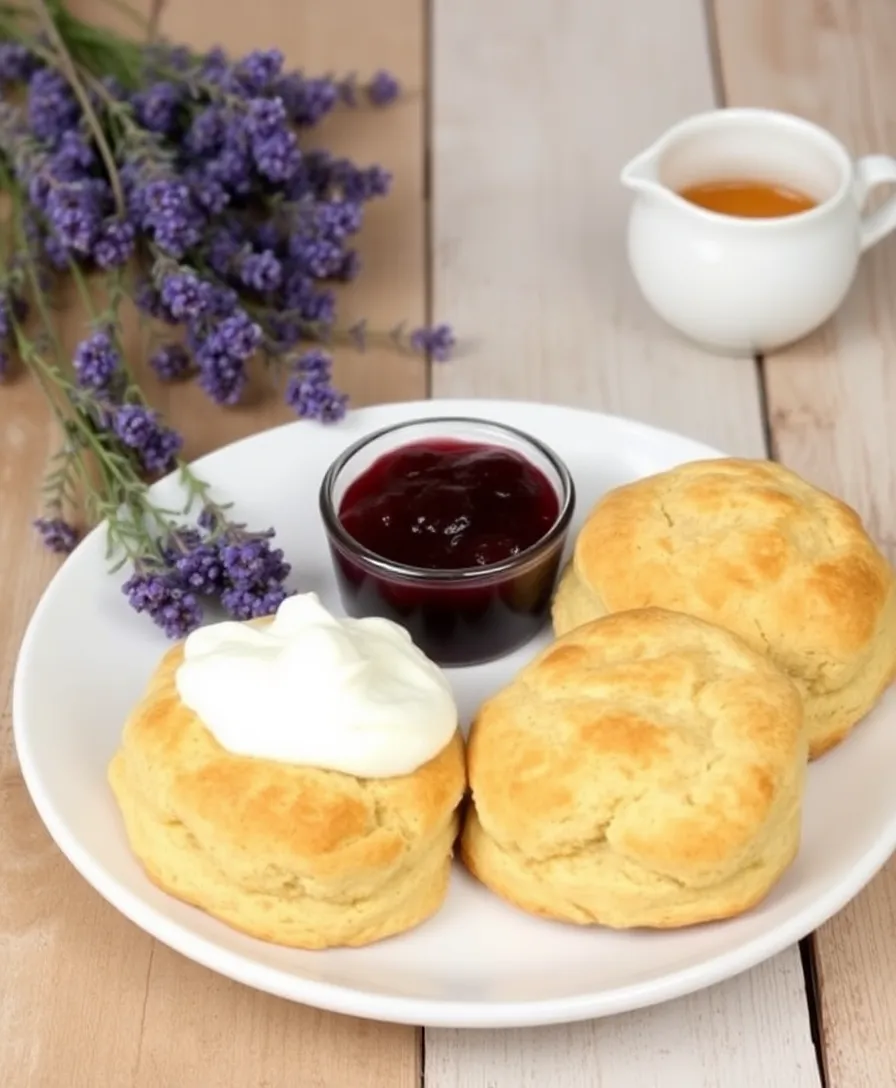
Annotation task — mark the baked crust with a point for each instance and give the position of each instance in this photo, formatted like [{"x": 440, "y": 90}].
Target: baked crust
[
  {"x": 752, "y": 547},
  {"x": 291, "y": 854},
  {"x": 645, "y": 770}
]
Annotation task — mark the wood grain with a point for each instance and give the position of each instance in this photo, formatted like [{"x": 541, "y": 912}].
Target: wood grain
[
  {"x": 537, "y": 105},
  {"x": 86, "y": 999},
  {"x": 832, "y": 400}
]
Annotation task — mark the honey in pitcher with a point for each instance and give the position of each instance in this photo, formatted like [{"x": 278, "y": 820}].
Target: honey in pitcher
[{"x": 748, "y": 199}]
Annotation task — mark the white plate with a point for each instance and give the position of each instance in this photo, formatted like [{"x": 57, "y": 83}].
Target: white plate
[{"x": 479, "y": 962}]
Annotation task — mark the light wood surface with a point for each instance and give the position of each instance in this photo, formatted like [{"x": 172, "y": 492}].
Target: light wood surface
[
  {"x": 529, "y": 261},
  {"x": 526, "y": 110},
  {"x": 832, "y": 406}
]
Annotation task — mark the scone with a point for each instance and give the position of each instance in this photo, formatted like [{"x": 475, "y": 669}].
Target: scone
[
  {"x": 296, "y": 855},
  {"x": 752, "y": 547},
  {"x": 646, "y": 770}
]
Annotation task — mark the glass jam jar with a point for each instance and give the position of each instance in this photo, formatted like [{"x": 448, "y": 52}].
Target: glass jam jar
[{"x": 517, "y": 492}]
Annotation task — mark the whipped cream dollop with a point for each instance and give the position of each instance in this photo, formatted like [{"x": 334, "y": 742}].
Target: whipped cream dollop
[{"x": 350, "y": 695}]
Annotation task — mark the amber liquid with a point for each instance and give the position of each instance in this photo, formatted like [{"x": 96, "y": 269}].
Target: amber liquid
[{"x": 748, "y": 199}]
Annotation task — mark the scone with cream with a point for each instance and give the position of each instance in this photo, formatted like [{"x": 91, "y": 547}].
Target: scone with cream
[
  {"x": 752, "y": 547},
  {"x": 297, "y": 778},
  {"x": 646, "y": 770}
]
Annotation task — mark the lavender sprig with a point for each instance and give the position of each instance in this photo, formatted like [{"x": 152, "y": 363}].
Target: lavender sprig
[{"x": 180, "y": 178}]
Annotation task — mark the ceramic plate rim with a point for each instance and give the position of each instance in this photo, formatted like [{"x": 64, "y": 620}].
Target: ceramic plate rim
[{"x": 429, "y": 1012}]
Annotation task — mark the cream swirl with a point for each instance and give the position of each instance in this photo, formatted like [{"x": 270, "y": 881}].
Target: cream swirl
[{"x": 350, "y": 695}]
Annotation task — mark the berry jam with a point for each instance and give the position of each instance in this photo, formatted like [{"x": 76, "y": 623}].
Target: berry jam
[{"x": 442, "y": 505}]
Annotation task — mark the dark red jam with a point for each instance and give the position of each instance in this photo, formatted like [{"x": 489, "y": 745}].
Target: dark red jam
[
  {"x": 445, "y": 505},
  {"x": 442, "y": 505}
]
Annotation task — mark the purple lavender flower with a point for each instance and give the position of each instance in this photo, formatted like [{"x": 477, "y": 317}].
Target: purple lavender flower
[
  {"x": 230, "y": 165},
  {"x": 206, "y": 132},
  {"x": 436, "y": 341},
  {"x": 261, "y": 271},
  {"x": 215, "y": 66},
  {"x": 222, "y": 356},
  {"x": 178, "y": 542},
  {"x": 139, "y": 428},
  {"x": 221, "y": 376},
  {"x": 57, "y": 534},
  {"x": 310, "y": 392},
  {"x": 171, "y": 362},
  {"x": 222, "y": 249},
  {"x": 158, "y": 106},
  {"x": 243, "y": 570},
  {"x": 337, "y": 219},
  {"x": 317, "y": 255},
  {"x": 277, "y": 157},
  {"x": 258, "y": 69},
  {"x": 248, "y": 604},
  {"x": 254, "y": 564},
  {"x": 307, "y": 101},
  {"x": 302, "y": 295},
  {"x": 75, "y": 212},
  {"x": 359, "y": 185},
  {"x": 73, "y": 158},
  {"x": 169, "y": 604},
  {"x": 318, "y": 307},
  {"x": 239, "y": 334},
  {"x": 114, "y": 244},
  {"x": 17, "y": 63},
  {"x": 316, "y": 365},
  {"x": 96, "y": 361},
  {"x": 221, "y": 302},
  {"x": 202, "y": 569},
  {"x": 315, "y": 400},
  {"x": 184, "y": 295},
  {"x": 165, "y": 209},
  {"x": 208, "y": 192},
  {"x": 52, "y": 108},
  {"x": 274, "y": 148},
  {"x": 383, "y": 89}
]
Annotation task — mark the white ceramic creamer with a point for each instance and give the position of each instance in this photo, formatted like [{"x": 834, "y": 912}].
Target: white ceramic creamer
[{"x": 743, "y": 285}]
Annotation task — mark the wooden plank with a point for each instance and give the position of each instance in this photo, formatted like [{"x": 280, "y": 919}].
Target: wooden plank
[
  {"x": 713, "y": 1040},
  {"x": 86, "y": 998},
  {"x": 537, "y": 105},
  {"x": 832, "y": 401}
]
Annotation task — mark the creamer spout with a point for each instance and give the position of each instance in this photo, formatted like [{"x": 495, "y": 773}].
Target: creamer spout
[{"x": 642, "y": 173}]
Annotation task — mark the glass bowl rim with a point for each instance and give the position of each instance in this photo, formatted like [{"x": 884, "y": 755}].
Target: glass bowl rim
[{"x": 378, "y": 564}]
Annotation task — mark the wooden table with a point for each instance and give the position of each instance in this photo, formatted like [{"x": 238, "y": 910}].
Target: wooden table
[{"x": 506, "y": 219}]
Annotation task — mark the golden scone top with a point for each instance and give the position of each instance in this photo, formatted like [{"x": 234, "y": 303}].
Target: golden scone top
[
  {"x": 294, "y": 854},
  {"x": 752, "y": 547},
  {"x": 647, "y": 733},
  {"x": 268, "y": 807}
]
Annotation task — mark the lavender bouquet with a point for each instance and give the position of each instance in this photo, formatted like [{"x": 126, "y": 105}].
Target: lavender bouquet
[{"x": 152, "y": 173}]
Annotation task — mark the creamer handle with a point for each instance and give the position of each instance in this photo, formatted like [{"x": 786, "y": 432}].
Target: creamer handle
[{"x": 871, "y": 171}]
